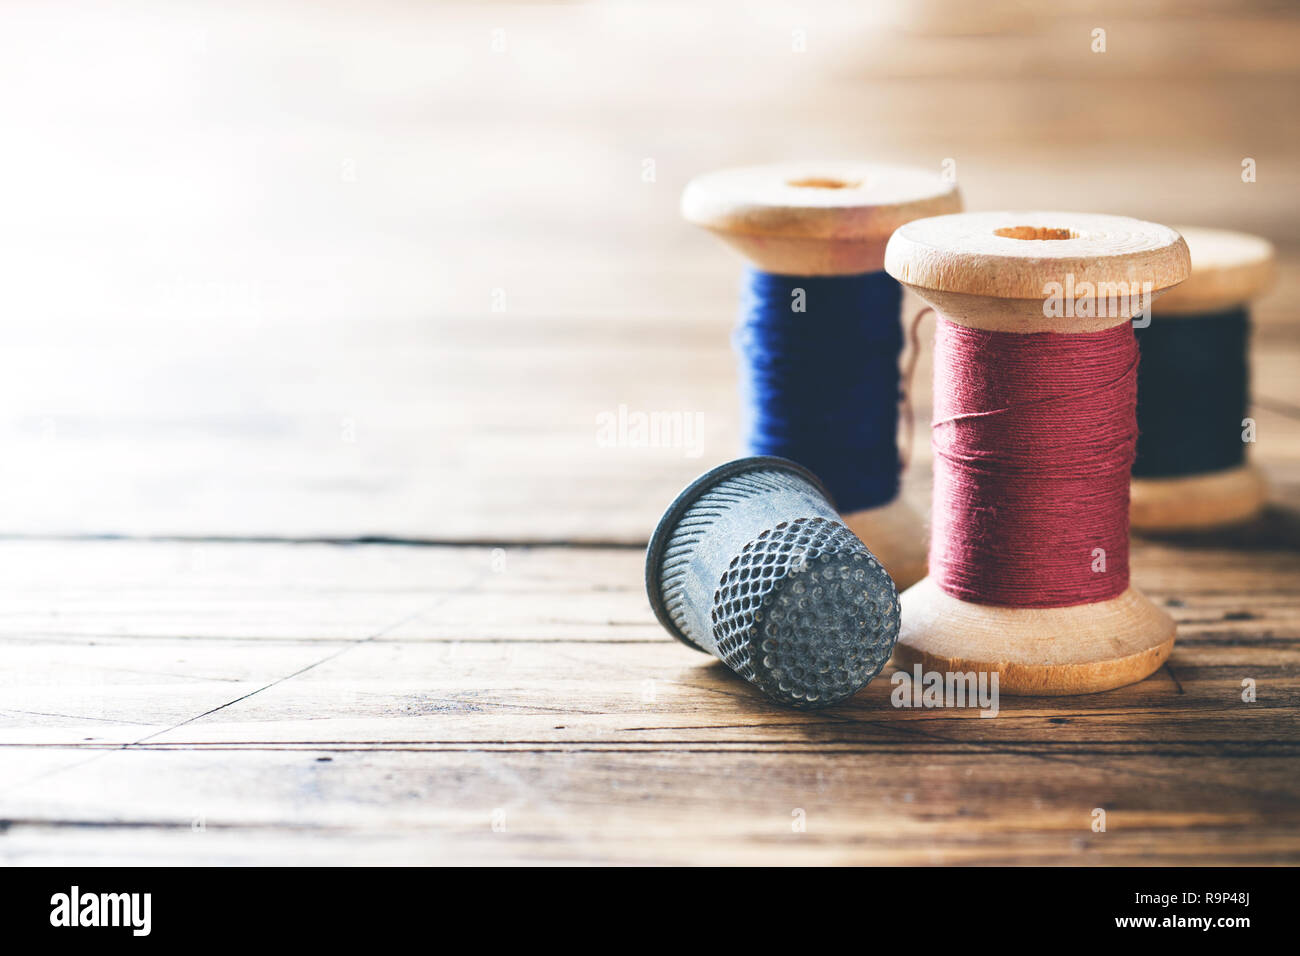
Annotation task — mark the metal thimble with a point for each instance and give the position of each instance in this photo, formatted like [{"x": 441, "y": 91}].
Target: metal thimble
[{"x": 752, "y": 565}]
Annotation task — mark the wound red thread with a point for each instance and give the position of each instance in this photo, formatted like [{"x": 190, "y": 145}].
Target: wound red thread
[{"x": 1034, "y": 437}]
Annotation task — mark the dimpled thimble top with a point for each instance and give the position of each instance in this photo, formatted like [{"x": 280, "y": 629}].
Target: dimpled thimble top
[
  {"x": 752, "y": 565},
  {"x": 806, "y": 613}
]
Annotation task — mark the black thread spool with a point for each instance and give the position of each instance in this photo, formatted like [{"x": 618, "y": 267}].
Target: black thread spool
[
  {"x": 752, "y": 565},
  {"x": 1192, "y": 471}
]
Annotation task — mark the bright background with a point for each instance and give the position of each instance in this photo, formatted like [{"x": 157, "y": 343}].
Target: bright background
[{"x": 250, "y": 251}]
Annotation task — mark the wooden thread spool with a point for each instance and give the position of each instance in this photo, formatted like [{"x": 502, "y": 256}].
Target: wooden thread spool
[
  {"x": 828, "y": 219},
  {"x": 1229, "y": 270},
  {"x": 990, "y": 271}
]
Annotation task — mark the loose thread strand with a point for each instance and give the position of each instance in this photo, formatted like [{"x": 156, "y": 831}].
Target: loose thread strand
[{"x": 907, "y": 408}]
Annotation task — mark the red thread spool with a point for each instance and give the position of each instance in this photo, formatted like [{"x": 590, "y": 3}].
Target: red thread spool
[{"x": 1035, "y": 425}]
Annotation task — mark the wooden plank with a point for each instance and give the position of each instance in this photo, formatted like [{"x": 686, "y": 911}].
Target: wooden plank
[
  {"x": 394, "y": 737},
  {"x": 384, "y": 693},
  {"x": 575, "y": 696},
  {"x": 433, "y": 448},
  {"x": 410, "y": 807},
  {"x": 139, "y": 591}
]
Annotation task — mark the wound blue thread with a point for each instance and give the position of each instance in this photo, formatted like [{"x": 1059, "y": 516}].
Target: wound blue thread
[{"x": 821, "y": 386}]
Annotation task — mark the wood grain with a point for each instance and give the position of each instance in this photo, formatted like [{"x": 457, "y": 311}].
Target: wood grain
[
  {"x": 227, "y": 727},
  {"x": 311, "y": 550}
]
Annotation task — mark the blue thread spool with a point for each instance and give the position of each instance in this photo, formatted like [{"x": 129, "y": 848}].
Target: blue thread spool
[
  {"x": 1192, "y": 471},
  {"x": 819, "y": 335}
]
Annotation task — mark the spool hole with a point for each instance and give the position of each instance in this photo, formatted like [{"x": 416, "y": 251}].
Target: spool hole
[
  {"x": 1034, "y": 232},
  {"x": 822, "y": 182}
]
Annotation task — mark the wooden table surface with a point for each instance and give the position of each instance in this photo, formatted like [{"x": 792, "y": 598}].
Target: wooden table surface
[{"x": 311, "y": 549}]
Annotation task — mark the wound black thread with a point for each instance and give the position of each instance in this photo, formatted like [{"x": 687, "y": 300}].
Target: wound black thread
[{"x": 1193, "y": 392}]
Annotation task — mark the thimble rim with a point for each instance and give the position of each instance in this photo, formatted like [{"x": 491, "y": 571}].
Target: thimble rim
[{"x": 683, "y": 502}]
